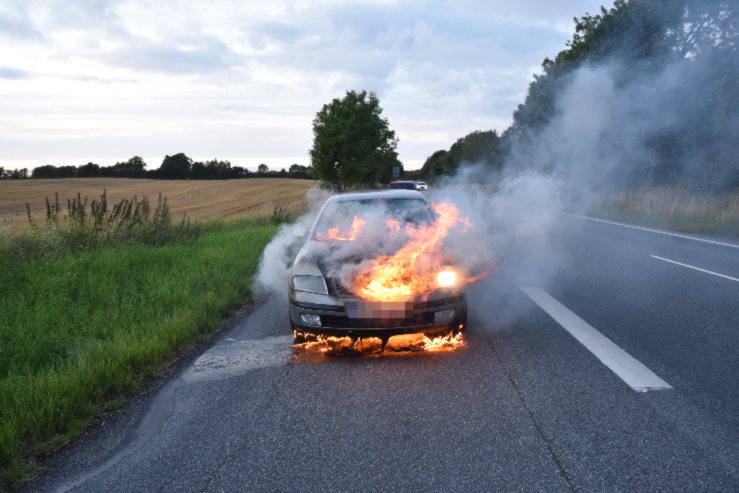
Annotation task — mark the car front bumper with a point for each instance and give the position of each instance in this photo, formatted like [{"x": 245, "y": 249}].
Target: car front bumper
[{"x": 335, "y": 319}]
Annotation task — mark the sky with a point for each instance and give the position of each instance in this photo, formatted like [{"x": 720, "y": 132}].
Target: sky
[{"x": 101, "y": 81}]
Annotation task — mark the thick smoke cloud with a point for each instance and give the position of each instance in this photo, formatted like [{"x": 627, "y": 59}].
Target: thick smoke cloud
[
  {"x": 274, "y": 266},
  {"x": 601, "y": 139},
  {"x": 604, "y": 132}
]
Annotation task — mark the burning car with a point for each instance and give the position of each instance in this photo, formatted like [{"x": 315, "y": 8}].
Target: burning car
[{"x": 374, "y": 265}]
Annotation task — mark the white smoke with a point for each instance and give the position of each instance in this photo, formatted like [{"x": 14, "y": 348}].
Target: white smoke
[{"x": 274, "y": 266}]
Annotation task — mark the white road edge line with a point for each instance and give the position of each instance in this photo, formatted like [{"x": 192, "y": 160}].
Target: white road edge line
[
  {"x": 635, "y": 374},
  {"x": 651, "y": 230},
  {"x": 695, "y": 268}
]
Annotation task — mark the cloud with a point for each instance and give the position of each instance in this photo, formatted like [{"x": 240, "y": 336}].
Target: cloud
[
  {"x": 186, "y": 55},
  {"x": 12, "y": 73},
  {"x": 16, "y": 22}
]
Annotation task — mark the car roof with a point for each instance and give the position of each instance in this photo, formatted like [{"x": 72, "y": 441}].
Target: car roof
[{"x": 379, "y": 195}]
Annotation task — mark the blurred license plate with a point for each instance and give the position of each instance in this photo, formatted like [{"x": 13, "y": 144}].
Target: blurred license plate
[{"x": 378, "y": 309}]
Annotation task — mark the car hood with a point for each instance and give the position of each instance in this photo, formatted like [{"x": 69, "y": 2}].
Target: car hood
[{"x": 316, "y": 258}]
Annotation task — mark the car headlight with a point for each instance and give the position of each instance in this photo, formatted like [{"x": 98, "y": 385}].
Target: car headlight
[
  {"x": 447, "y": 278},
  {"x": 443, "y": 316},
  {"x": 310, "y": 284}
]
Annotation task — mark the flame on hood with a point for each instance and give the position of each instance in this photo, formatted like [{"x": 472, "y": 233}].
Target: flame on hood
[
  {"x": 337, "y": 235},
  {"x": 417, "y": 267}
]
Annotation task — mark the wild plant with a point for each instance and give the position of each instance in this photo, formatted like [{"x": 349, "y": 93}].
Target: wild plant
[
  {"x": 280, "y": 215},
  {"x": 87, "y": 225}
]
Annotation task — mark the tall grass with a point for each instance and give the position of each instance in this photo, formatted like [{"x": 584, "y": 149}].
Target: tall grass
[
  {"x": 94, "y": 303},
  {"x": 83, "y": 225},
  {"x": 675, "y": 208}
]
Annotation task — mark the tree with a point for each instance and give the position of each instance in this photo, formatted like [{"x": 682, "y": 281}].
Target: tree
[
  {"x": 436, "y": 164},
  {"x": 18, "y": 174},
  {"x": 136, "y": 163},
  {"x": 45, "y": 171},
  {"x": 262, "y": 169},
  {"x": 198, "y": 171},
  {"x": 353, "y": 145},
  {"x": 476, "y": 147},
  {"x": 88, "y": 170},
  {"x": 298, "y": 171},
  {"x": 175, "y": 167}
]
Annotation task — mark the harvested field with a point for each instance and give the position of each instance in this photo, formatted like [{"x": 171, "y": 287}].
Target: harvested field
[{"x": 196, "y": 198}]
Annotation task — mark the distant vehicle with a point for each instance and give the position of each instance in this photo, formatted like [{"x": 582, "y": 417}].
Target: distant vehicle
[
  {"x": 421, "y": 186},
  {"x": 320, "y": 302},
  {"x": 402, "y": 185}
]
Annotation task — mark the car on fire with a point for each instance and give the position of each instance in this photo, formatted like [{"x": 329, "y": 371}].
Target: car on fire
[{"x": 331, "y": 292}]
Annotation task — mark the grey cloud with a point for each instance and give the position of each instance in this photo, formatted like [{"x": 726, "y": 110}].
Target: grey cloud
[
  {"x": 13, "y": 73},
  {"x": 84, "y": 14},
  {"x": 280, "y": 31},
  {"x": 367, "y": 42},
  {"x": 16, "y": 22},
  {"x": 533, "y": 10},
  {"x": 197, "y": 55}
]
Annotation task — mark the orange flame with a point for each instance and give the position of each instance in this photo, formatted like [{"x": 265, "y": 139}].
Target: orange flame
[
  {"x": 393, "y": 225},
  {"x": 338, "y": 235},
  {"x": 416, "y": 267},
  {"x": 373, "y": 345}
]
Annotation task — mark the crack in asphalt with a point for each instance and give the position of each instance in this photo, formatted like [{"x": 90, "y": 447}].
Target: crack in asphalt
[{"x": 547, "y": 441}]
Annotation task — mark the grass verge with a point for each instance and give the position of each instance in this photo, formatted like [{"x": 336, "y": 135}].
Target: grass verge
[
  {"x": 674, "y": 208},
  {"x": 79, "y": 328}
]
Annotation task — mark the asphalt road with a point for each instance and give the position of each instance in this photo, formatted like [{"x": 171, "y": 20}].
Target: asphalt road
[{"x": 523, "y": 406}]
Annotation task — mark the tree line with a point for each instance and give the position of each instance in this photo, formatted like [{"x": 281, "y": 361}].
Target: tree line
[{"x": 176, "y": 167}]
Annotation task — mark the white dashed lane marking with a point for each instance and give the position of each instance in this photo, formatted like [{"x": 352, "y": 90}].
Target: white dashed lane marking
[
  {"x": 705, "y": 271},
  {"x": 657, "y": 231},
  {"x": 627, "y": 368}
]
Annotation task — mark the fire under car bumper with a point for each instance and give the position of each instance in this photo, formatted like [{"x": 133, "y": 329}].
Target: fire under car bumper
[{"x": 421, "y": 317}]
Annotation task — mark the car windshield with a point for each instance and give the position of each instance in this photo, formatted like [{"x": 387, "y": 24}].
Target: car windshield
[
  {"x": 344, "y": 219},
  {"x": 403, "y": 185}
]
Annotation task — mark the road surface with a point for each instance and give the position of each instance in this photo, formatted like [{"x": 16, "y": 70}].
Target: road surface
[{"x": 618, "y": 372}]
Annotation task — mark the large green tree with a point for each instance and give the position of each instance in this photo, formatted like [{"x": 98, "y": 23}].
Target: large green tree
[{"x": 353, "y": 144}]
